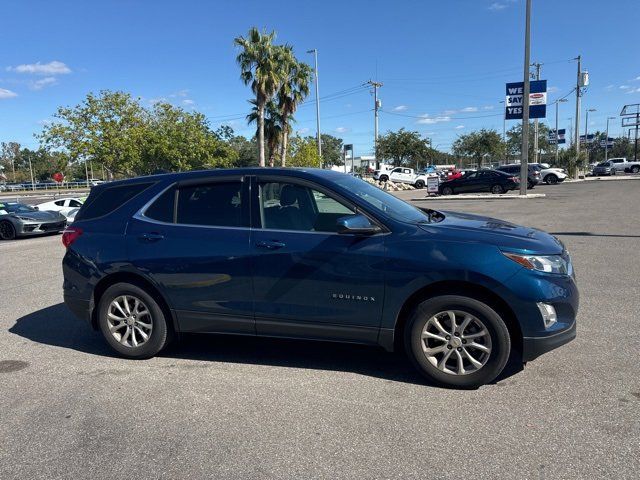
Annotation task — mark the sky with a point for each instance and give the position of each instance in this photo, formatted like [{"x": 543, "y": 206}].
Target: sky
[{"x": 443, "y": 64}]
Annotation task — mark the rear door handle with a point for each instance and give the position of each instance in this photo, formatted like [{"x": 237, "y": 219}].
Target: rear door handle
[
  {"x": 150, "y": 237},
  {"x": 270, "y": 244}
]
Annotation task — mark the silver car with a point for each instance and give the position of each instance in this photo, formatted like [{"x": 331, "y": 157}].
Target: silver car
[{"x": 20, "y": 220}]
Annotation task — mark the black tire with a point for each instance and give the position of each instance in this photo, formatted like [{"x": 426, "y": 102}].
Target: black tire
[
  {"x": 7, "y": 230},
  {"x": 384, "y": 178},
  {"x": 419, "y": 184},
  {"x": 447, "y": 191},
  {"x": 160, "y": 333},
  {"x": 635, "y": 169},
  {"x": 497, "y": 189},
  {"x": 612, "y": 171},
  {"x": 498, "y": 332},
  {"x": 551, "y": 179}
]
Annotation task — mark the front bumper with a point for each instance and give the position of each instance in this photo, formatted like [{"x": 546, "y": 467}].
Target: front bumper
[
  {"x": 533, "y": 347},
  {"x": 40, "y": 228}
]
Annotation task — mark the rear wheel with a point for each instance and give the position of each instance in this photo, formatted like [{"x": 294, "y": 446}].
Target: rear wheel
[
  {"x": 7, "y": 230},
  {"x": 635, "y": 169},
  {"x": 551, "y": 179},
  {"x": 132, "y": 322},
  {"x": 497, "y": 189},
  {"x": 419, "y": 184},
  {"x": 613, "y": 171},
  {"x": 530, "y": 184},
  {"x": 447, "y": 191},
  {"x": 457, "y": 341},
  {"x": 384, "y": 178}
]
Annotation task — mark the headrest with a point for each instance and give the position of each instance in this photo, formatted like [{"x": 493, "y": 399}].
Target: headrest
[{"x": 289, "y": 195}]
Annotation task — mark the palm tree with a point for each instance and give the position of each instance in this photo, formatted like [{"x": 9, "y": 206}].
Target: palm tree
[
  {"x": 292, "y": 91},
  {"x": 259, "y": 67},
  {"x": 272, "y": 121}
]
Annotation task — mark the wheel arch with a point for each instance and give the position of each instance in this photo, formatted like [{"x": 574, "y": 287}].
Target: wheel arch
[
  {"x": 137, "y": 280},
  {"x": 466, "y": 289}
]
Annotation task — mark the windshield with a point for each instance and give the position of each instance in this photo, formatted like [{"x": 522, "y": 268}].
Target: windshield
[
  {"x": 16, "y": 208},
  {"x": 383, "y": 201}
]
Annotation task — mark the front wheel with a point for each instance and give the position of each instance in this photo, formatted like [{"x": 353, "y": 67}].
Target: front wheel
[
  {"x": 384, "y": 178},
  {"x": 613, "y": 171},
  {"x": 457, "y": 341},
  {"x": 132, "y": 322},
  {"x": 7, "y": 230},
  {"x": 497, "y": 189},
  {"x": 635, "y": 169}
]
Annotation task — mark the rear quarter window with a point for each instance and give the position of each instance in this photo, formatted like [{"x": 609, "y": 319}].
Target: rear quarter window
[{"x": 109, "y": 199}]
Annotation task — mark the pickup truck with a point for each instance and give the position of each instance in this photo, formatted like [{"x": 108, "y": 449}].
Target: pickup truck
[
  {"x": 403, "y": 175},
  {"x": 622, "y": 165}
]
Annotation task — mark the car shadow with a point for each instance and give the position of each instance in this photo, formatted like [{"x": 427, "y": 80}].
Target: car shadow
[
  {"x": 591, "y": 234},
  {"x": 55, "y": 325}
]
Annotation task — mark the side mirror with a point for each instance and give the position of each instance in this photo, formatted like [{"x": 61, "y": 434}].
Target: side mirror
[{"x": 356, "y": 224}]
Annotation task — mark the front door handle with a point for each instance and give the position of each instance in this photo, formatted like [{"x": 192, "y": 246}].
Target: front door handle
[
  {"x": 270, "y": 244},
  {"x": 150, "y": 237}
]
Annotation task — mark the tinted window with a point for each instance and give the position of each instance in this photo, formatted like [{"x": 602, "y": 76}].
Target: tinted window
[
  {"x": 288, "y": 206},
  {"x": 74, "y": 203},
  {"x": 213, "y": 204},
  {"x": 162, "y": 208},
  {"x": 59, "y": 203},
  {"x": 109, "y": 199}
]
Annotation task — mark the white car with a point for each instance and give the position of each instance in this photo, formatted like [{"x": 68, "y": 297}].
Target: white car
[
  {"x": 62, "y": 205},
  {"x": 551, "y": 175},
  {"x": 404, "y": 175}
]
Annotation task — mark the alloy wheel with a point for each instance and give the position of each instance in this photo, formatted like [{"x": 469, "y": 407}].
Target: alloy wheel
[
  {"x": 129, "y": 321},
  {"x": 7, "y": 232},
  {"x": 456, "y": 342}
]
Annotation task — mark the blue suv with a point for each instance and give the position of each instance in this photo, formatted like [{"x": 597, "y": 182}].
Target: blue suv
[{"x": 320, "y": 255}]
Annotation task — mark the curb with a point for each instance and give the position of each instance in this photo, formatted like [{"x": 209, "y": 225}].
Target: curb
[{"x": 505, "y": 196}]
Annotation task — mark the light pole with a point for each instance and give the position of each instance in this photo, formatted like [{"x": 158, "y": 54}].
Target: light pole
[
  {"x": 586, "y": 130},
  {"x": 524, "y": 161},
  {"x": 560, "y": 100},
  {"x": 606, "y": 140},
  {"x": 504, "y": 126},
  {"x": 315, "y": 58}
]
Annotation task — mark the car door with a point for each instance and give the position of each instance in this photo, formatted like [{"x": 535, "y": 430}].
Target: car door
[
  {"x": 192, "y": 241},
  {"x": 309, "y": 280},
  {"x": 467, "y": 183},
  {"x": 396, "y": 175},
  {"x": 618, "y": 164}
]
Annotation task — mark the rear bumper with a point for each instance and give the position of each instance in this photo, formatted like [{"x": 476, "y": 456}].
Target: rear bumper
[
  {"x": 79, "y": 307},
  {"x": 533, "y": 347}
]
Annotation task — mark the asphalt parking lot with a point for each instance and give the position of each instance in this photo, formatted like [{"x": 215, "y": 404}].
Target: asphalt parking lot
[{"x": 221, "y": 407}]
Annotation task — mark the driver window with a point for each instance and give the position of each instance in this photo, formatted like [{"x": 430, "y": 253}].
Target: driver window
[{"x": 289, "y": 206}]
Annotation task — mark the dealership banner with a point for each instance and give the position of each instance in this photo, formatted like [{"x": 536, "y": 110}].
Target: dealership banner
[
  {"x": 561, "y": 136},
  {"x": 537, "y": 100},
  {"x": 608, "y": 144},
  {"x": 590, "y": 138}
]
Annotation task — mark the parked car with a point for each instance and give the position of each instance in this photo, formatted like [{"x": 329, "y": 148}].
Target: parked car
[
  {"x": 533, "y": 178},
  {"x": 551, "y": 175},
  {"x": 621, "y": 165},
  {"x": 62, "y": 205},
  {"x": 604, "y": 168},
  {"x": 315, "y": 254},
  {"x": 493, "y": 181},
  {"x": 20, "y": 220},
  {"x": 404, "y": 175}
]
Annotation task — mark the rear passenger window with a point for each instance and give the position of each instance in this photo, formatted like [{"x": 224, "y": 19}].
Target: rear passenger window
[
  {"x": 109, "y": 199},
  {"x": 213, "y": 204},
  {"x": 162, "y": 208}
]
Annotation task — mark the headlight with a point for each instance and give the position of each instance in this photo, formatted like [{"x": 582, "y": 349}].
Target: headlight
[
  {"x": 542, "y": 263},
  {"x": 23, "y": 218}
]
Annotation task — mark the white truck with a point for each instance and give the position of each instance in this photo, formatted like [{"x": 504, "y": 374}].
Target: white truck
[
  {"x": 403, "y": 175},
  {"x": 622, "y": 165}
]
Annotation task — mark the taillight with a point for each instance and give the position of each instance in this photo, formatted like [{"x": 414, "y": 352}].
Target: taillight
[
  {"x": 515, "y": 179},
  {"x": 70, "y": 235}
]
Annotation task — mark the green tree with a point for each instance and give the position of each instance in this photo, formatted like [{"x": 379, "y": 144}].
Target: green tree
[
  {"x": 261, "y": 68},
  {"x": 293, "y": 90},
  {"x": 514, "y": 141},
  {"x": 10, "y": 154},
  {"x": 272, "y": 127},
  {"x": 331, "y": 149},
  {"x": 404, "y": 147},
  {"x": 479, "y": 144},
  {"x": 105, "y": 127},
  {"x": 246, "y": 151},
  {"x": 304, "y": 153}
]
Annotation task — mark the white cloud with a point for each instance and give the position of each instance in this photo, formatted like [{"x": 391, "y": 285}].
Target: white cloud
[
  {"x": 637, "y": 79},
  {"x": 634, "y": 90},
  {"x": 303, "y": 130},
  {"x": 552, "y": 89},
  {"x": 4, "y": 93},
  {"x": 428, "y": 120},
  {"x": 180, "y": 93},
  {"x": 43, "y": 82},
  {"x": 51, "y": 68},
  {"x": 342, "y": 129},
  {"x": 459, "y": 127},
  {"x": 497, "y": 6},
  {"x": 188, "y": 101},
  {"x": 449, "y": 112},
  {"x": 608, "y": 88},
  {"x": 400, "y": 108},
  {"x": 469, "y": 109},
  {"x": 488, "y": 107},
  {"x": 624, "y": 87}
]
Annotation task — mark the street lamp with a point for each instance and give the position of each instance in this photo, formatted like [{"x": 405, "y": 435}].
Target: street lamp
[
  {"x": 586, "y": 129},
  {"x": 606, "y": 140},
  {"x": 560, "y": 100},
  {"x": 315, "y": 57},
  {"x": 504, "y": 122}
]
